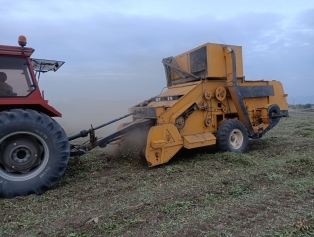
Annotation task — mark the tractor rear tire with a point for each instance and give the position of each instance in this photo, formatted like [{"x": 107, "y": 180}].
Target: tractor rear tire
[
  {"x": 232, "y": 136},
  {"x": 34, "y": 152}
]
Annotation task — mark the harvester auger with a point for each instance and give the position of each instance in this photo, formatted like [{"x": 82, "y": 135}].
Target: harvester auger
[{"x": 207, "y": 102}]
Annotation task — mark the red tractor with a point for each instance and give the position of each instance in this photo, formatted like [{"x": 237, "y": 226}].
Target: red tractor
[{"x": 34, "y": 149}]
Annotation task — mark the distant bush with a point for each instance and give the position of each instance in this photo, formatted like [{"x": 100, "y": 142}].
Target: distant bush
[{"x": 306, "y": 106}]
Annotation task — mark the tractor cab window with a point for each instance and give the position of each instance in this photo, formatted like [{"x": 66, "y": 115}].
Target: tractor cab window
[{"x": 15, "y": 79}]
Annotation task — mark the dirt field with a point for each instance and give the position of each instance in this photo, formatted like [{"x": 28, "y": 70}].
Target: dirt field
[{"x": 268, "y": 191}]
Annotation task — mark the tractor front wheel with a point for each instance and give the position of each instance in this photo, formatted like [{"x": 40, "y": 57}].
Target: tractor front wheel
[
  {"x": 34, "y": 152},
  {"x": 232, "y": 136}
]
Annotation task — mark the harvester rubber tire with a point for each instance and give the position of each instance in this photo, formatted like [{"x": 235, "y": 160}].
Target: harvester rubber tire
[
  {"x": 34, "y": 152},
  {"x": 232, "y": 136},
  {"x": 274, "y": 113}
]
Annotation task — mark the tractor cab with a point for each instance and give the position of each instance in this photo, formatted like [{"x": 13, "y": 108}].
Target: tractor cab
[
  {"x": 18, "y": 84},
  {"x": 15, "y": 77}
]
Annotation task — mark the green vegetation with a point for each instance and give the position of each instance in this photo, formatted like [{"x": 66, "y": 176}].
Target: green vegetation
[
  {"x": 306, "y": 106},
  {"x": 267, "y": 191}
]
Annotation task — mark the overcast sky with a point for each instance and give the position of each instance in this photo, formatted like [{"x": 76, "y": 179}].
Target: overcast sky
[{"x": 113, "y": 49}]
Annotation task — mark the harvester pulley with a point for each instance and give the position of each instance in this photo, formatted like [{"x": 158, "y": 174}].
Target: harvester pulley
[{"x": 221, "y": 93}]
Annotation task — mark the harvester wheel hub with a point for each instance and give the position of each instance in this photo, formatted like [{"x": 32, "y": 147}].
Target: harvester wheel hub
[{"x": 236, "y": 138}]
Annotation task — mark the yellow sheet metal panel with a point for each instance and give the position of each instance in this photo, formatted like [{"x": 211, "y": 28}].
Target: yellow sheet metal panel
[
  {"x": 163, "y": 142},
  {"x": 184, "y": 63},
  {"x": 193, "y": 95},
  {"x": 280, "y": 98},
  {"x": 178, "y": 90},
  {"x": 216, "y": 61},
  {"x": 208, "y": 61},
  {"x": 194, "y": 123},
  {"x": 254, "y": 103},
  {"x": 199, "y": 140}
]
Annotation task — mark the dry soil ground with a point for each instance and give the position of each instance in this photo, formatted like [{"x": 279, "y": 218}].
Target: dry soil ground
[{"x": 267, "y": 191}]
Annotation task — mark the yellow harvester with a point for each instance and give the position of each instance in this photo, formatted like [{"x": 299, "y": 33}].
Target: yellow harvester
[{"x": 207, "y": 102}]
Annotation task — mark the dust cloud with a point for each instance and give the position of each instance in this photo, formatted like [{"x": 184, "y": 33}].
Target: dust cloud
[
  {"x": 132, "y": 145},
  {"x": 99, "y": 111},
  {"x": 91, "y": 99},
  {"x": 79, "y": 115}
]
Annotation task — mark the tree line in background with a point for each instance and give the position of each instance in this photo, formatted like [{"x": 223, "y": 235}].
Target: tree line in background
[{"x": 302, "y": 106}]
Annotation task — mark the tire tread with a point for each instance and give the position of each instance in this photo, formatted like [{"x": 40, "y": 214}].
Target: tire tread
[
  {"x": 60, "y": 140},
  {"x": 224, "y": 132}
]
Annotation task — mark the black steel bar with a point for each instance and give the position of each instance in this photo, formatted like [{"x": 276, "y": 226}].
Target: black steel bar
[
  {"x": 112, "y": 137},
  {"x": 239, "y": 95},
  {"x": 84, "y": 133},
  {"x": 112, "y": 121}
]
